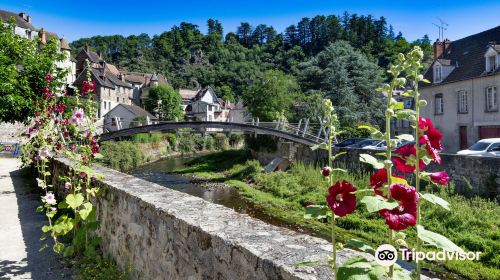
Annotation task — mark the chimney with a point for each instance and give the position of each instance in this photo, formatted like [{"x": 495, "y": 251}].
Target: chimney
[
  {"x": 446, "y": 44},
  {"x": 28, "y": 19},
  {"x": 43, "y": 36},
  {"x": 438, "y": 49},
  {"x": 22, "y": 15},
  {"x": 99, "y": 53},
  {"x": 122, "y": 77},
  {"x": 87, "y": 49}
]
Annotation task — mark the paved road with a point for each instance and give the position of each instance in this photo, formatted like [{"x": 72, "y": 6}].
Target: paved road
[{"x": 20, "y": 231}]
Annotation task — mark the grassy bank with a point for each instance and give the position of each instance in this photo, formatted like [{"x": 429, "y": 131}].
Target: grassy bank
[{"x": 473, "y": 224}]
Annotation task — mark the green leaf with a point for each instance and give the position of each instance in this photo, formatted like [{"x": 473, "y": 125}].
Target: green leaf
[
  {"x": 98, "y": 156},
  {"x": 74, "y": 200},
  {"x": 400, "y": 275},
  {"x": 338, "y": 155},
  {"x": 397, "y": 180},
  {"x": 405, "y": 114},
  {"x": 360, "y": 245},
  {"x": 369, "y": 128},
  {"x": 339, "y": 170},
  {"x": 46, "y": 228},
  {"x": 366, "y": 158},
  {"x": 39, "y": 209},
  {"x": 407, "y": 137},
  {"x": 398, "y": 106},
  {"x": 437, "y": 240},
  {"x": 45, "y": 246},
  {"x": 315, "y": 212},
  {"x": 323, "y": 146},
  {"x": 358, "y": 268},
  {"x": 376, "y": 203},
  {"x": 69, "y": 251},
  {"x": 58, "y": 248},
  {"x": 434, "y": 199},
  {"x": 87, "y": 208},
  {"x": 377, "y": 135}
]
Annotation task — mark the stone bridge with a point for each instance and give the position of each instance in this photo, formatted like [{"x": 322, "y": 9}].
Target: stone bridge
[{"x": 303, "y": 133}]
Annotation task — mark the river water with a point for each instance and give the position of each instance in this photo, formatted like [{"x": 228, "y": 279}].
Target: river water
[{"x": 160, "y": 172}]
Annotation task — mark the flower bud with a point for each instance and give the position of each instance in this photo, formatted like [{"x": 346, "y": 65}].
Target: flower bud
[
  {"x": 325, "y": 171},
  {"x": 422, "y": 103}
]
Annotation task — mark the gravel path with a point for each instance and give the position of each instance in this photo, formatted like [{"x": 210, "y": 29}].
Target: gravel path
[{"x": 20, "y": 231}]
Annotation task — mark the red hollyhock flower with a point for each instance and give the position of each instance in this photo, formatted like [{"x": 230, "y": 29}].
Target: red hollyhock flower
[
  {"x": 404, "y": 153},
  {"x": 440, "y": 178},
  {"x": 48, "y": 78},
  {"x": 379, "y": 178},
  {"x": 405, "y": 215},
  {"x": 341, "y": 199},
  {"x": 431, "y": 138},
  {"x": 325, "y": 171}
]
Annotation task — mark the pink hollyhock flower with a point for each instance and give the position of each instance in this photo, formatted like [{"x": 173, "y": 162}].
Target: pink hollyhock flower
[
  {"x": 72, "y": 148},
  {"x": 400, "y": 160},
  {"x": 60, "y": 108},
  {"x": 44, "y": 153},
  {"x": 77, "y": 117},
  {"x": 48, "y": 78},
  {"x": 405, "y": 215},
  {"x": 67, "y": 185},
  {"x": 95, "y": 148},
  {"x": 440, "y": 178},
  {"x": 341, "y": 199},
  {"x": 50, "y": 198},
  {"x": 325, "y": 171},
  {"x": 378, "y": 179}
]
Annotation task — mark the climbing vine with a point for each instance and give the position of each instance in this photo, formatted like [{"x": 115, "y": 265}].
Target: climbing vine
[{"x": 64, "y": 127}]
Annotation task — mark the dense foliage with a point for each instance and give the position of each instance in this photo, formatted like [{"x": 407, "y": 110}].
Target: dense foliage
[
  {"x": 23, "y": 66},
  {"x": 165, "y": 102},
  {"x": 234, "y": 61}
]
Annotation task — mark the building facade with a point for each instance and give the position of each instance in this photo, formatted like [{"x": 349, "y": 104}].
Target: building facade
[{"x": 462, "y": 98}]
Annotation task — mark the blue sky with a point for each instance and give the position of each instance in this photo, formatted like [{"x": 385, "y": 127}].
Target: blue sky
[{"x": 76, "y": 19}]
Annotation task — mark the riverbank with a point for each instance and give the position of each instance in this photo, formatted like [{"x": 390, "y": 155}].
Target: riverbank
[{"x": 472, "y": 223}]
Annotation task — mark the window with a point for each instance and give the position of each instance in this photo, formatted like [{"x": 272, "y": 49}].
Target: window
[
  {"x": 104, "y": 105},
  {"x": 491, "y": 99},
  {"x": 491, "y": 63},
  {"x": 463, "y": 106},
  {"x": 118, "y": 99},
  {"x": 439, "y": 104},
  {"x": 438, "y": 73}
]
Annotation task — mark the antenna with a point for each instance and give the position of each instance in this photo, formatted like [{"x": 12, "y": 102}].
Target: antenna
[{"x": 442, "y": 26}]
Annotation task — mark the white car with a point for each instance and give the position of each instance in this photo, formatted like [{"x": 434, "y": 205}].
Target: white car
[{"x": 484, "y": 148}]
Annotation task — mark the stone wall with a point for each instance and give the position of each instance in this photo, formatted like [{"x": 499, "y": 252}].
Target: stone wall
[
  {"x": 164, "y": 234},
  {"x": 471, "y": 175}
]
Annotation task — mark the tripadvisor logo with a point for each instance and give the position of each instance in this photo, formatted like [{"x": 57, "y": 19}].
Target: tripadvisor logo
[{"x": 387, "y": 255}]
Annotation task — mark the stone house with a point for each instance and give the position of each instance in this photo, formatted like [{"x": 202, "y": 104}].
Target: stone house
[
  {"x": 127, "y": 115},
  {"x": 25, "y": 29},
  {"x": 462, "y": 98},
  {"x": 111, "y": 87}
]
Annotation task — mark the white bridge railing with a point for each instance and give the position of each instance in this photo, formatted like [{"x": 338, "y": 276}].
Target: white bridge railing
[{"x": 315, "y": 132}]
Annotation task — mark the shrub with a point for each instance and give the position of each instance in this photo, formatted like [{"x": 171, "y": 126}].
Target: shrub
[
  {"x": 221, "y": 142},
  {"x": 199, "y": 142},
  {"x": 235, "y": 139},
  {"x": 249, "y": 170},
  {"x": 98, "y": 268},
  {"x": 172, "y": 139},
  {"x": 186, "y": 143},
  {"x": 123, "y": 155},
  {"x": 152, "y": 137},
  {"x": 209, "y": 143}
]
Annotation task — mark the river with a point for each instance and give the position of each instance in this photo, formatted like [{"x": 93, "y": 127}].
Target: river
[{"x": 160, "y": 172}]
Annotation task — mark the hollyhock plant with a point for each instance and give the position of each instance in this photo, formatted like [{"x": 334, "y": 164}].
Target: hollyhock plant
[
  {"x": 77, "y": 117},
  {"x": 67, "y": 185},
  {"x": 341, "y": 199},
  {"x": 405, "y": 215},
  {"x": 440, "y": 178},
  {"x": 378, "y": 179},
  {"x": 325, "y": 171},
  {"x": 50, "y": 198},
  {"x": 403, "y": 153},
  {"x": 44, "y": 153}
]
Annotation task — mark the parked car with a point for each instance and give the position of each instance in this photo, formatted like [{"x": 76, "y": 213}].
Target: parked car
[
  {"x": 485, "y": 148},
  {"x": 364, "y": 143},
  {"x": 348, "y": 142},
  {"x": 378, "y": 146}
]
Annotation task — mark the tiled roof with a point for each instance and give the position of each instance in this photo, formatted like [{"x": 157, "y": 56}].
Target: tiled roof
[
  {"x": 6, "y": 15},
  {"x": 112, "y": 69},
  {"x": 64, "y": 44},
  {"x": 467, "y": 54},
  {"x": 138, "y": 111},
  {"x": 187, "y": 94},
  {"x": 115, "y": 80}
]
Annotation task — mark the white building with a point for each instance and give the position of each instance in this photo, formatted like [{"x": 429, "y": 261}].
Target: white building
[
  {"x": 127, "y": 115},
  {"x": 204, "y": 105},
  {"x": 462, "y": 98}
]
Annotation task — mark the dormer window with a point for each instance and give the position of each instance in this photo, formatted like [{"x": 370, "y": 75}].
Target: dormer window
[
  {"x": 491, "y": 63},
  {"x": 438, "y": 73}
]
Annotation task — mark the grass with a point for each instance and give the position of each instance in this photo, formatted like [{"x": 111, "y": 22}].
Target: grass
[{"x": 473, "y": 224}]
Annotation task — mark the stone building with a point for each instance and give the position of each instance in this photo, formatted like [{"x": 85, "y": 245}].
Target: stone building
[
  {"x": 462, "y": 98},
  {"x": 142, "y": 82},
  {"x": 111, "y": 87}
]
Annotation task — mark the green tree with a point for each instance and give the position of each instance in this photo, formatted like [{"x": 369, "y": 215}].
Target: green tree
[
  {"x": 349, "y": 79},
  {"x": 23, "y": 65},
  {"x": 271, "y": 95},
  {"x": 165, "y": 102}
]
